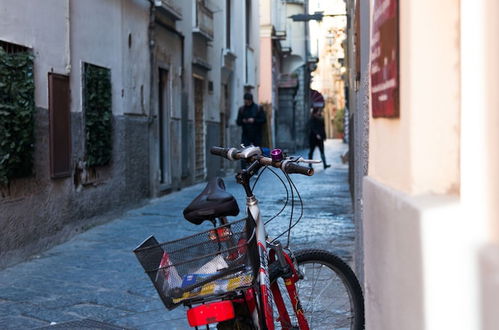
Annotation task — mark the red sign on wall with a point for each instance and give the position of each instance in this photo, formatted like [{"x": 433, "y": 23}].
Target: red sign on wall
[{"x": 385, "y": 59}]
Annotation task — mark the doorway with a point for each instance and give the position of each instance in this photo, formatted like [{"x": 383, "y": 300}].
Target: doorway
[
  {"x": 164, "y": 131},
  {"x": 199, "y": 169}
]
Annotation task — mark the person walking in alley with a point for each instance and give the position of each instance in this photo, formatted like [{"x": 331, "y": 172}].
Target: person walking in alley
[
  {"x": 251, "y": 118},
  {"x": 317, "y": 135}
]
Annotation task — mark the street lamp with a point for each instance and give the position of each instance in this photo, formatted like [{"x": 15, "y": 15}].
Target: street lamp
[{"x": 317, "y": 16}]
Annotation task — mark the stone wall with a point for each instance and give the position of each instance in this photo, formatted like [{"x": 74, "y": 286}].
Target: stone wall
[{"x": 38, "y": 212}]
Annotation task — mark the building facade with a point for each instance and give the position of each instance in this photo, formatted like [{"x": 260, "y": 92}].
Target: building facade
[
  {"x": 425, "y": 179},
  {"x": 326, "y": 44},
  {"x": 285, "y": 65},
  {"x": 129, "y": 96}
]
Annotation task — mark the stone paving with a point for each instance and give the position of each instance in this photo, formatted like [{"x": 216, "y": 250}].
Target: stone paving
[{"x": 95, "y": 275}]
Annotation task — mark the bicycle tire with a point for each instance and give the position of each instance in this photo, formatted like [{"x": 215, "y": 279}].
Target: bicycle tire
[{"x": 328, "y": 315}]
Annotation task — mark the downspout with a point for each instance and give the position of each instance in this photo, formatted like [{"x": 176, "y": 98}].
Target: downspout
[
  {"x": 152, "y": 45},
  {"x": 68, "y": 39},
  {"x": 150, "y": 115},
  {"x": 306, "y": 100}
]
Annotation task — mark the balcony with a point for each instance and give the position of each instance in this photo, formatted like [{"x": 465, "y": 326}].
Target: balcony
[
  {"x": 204, "y": 21},
  {"x": 169, "y": 8}
]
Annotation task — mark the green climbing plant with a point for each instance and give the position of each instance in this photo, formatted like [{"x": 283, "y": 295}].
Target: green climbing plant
[
  {"x": 339, "y": 121},
  {"x": 17, "y": 107},
  {"x": 98, "y": 115}
]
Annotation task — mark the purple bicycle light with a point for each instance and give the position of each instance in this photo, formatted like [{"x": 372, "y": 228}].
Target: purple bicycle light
[{"x": 276, "y": 155}]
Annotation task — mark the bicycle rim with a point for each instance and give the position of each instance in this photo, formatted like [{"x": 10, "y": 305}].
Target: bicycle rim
[{"x": 328, "y": 293}]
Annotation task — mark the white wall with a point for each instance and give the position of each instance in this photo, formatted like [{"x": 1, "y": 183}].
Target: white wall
[
  {"x": 429, "y": 199},
  {"x": 89, "y": 19},
  {"x": 215, "y": 53},
  {"x": 64, "y": 33},
  {"x": 185, "y": 27},
  {"x": 42, "y": 26},
  {"x": 136, "y": 61}
]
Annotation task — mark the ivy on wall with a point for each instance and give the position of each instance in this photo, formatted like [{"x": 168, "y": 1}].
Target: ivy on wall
[
  {"x": 17, "y": 107},
  {"x": 98, "y": 115}
]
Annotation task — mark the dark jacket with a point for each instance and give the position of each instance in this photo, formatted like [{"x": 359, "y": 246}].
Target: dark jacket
[
  {"x": 316, "y": 127},
  {"x": 252, "y": 133}
]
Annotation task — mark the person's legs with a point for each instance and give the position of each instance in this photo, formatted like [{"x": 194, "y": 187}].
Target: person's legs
[
  {"x": 312, "y": 145},
  {"x": 323, "y": 156}
]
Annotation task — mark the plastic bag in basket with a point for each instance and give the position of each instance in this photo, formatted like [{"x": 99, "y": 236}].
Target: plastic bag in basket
[{"x": 167, "y": 274}]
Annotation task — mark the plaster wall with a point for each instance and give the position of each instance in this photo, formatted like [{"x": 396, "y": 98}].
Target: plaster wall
[
  {"x": 267, "y": 12},
  {"x": 429, "y": 59},
  {"x": 413, "y": 264},
  {"x": 266, "y": 71},
  {"x": 295, "y": 31},
  {"x": 90, "y": 19},
  {"x": 238, "y": 45},
  {"x": 491, "y": 10},
  {"x": 38, "y": 211},
  {"x": 480, "y": 146},
  {"x": 441, "y": 198},
  {"x": 185, "y": 26},
  {"x": 254, "y": 43},
  {"x": 136, "y": 63},
  {"x": 43, "y": 27},
  {"x": 215, "y": 57}
]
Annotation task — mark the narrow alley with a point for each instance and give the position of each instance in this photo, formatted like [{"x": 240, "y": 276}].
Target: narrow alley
[{"x": 95, "y": 277}]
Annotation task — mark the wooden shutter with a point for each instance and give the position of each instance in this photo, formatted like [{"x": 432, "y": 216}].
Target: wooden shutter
[{"x": 59, "y": 126}]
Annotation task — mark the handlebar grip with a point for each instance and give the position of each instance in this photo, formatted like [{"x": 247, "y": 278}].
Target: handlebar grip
[
  {"x": 219, "y": 151},
  {"x": 295, "y": 168}
]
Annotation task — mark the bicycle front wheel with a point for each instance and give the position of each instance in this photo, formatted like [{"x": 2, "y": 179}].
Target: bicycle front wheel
[{"x": 329, "y": 292}]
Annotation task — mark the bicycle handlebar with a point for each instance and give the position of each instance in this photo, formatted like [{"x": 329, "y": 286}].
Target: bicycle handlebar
[
  {"x": 295, "y": 168},
  {"x": 219, "y": 151},
  {"x": 286, "y": 165}
]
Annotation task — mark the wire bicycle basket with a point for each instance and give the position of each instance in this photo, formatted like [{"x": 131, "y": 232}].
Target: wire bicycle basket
[{"x": 212, "y": 263}]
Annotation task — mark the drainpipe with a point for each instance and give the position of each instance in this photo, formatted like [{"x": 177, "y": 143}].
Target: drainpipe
[
  {"x": 150, "y": 115},
  {"x": 68, "y": 39},
  {"x": 152, "y": 44},
  {"x": 307, "y": 77}
]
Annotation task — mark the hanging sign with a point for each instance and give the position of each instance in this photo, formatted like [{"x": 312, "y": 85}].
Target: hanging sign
[{"x": 385, "y": 59}]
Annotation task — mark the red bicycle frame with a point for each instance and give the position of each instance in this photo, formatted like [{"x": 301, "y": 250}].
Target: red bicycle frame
[{"x": 260, "y": 303}]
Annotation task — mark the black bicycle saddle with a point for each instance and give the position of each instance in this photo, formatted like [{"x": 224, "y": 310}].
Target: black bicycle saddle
[{"x": 213, "y": 202}]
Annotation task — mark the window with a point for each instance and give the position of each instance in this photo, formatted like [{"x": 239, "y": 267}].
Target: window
[
  {"x": 17, "y": 98},
  {"x": 11, "y": 48},
  {"x": 97, "y": 99}
]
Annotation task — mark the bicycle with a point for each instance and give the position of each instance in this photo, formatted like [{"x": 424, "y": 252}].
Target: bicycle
[{"x": 234, "y": 274}]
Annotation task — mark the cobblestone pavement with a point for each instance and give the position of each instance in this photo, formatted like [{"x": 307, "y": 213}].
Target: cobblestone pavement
[{"x": 95, "y": 275}]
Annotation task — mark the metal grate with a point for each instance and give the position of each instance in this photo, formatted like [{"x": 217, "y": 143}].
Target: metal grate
[{"x": 11, "y": 48}]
